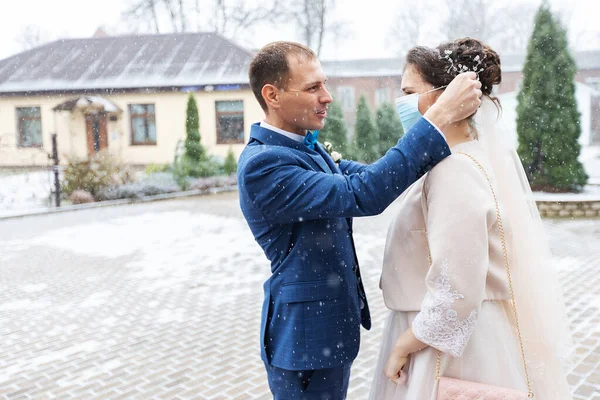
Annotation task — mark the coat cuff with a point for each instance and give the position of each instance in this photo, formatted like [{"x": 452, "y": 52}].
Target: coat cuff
[{"x": 428, "y": 144}]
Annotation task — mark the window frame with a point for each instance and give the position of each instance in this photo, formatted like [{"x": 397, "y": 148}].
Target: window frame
[
  {"x": 382, "y": 99},
  {"x": 351, "y": 99},
  {"x": 218, "y": 125},
  {"x": 145, "y": 115},
  {"x": 20, "y": 131}
]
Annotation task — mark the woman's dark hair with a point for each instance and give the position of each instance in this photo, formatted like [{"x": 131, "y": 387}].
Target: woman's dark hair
[{"x": 440, "y": 65}]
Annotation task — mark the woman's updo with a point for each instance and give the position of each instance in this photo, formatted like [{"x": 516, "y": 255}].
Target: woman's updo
[{"x": 440, "y": 65}]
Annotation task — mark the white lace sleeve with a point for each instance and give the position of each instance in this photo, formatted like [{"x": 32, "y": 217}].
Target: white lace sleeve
[
  {"x": 460, "y": 211},
  {"x": 438, "y": 324}
]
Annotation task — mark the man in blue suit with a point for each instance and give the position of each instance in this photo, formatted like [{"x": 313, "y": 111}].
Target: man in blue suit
[{"x": 299, "y": 205}]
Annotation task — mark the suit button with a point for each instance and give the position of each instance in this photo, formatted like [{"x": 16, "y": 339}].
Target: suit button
[{"x": 354, "y": 268}]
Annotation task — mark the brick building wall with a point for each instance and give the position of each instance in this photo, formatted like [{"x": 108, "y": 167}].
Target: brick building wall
[{"x": 348, "y": 90}]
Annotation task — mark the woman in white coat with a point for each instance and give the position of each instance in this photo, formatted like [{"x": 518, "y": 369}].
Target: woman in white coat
[{"x": 459, "y": 232}]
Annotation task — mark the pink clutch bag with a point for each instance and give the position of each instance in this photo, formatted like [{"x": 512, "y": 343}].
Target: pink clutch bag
[{"x": 455, "y": 389}]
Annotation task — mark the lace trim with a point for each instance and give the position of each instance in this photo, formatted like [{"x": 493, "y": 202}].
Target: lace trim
[{"x": 438, "y": 324}]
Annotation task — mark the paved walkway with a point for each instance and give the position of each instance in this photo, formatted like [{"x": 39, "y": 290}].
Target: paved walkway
[{"x": 162, "y": 301}]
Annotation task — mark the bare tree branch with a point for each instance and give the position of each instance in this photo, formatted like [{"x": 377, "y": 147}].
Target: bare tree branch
[
  {"x": 314, "y": 21},
  {"x": 230, "y": 18},
  {"x": 245, "y": 18},
  {"x": 143, "y": 11},
  {"x": 506, "y": 28},
  {"x": 576, "y": 31},
  {"x": 407, "y": 27},
  {"x": 31, "y": 36},
  {"x": 197, "y": 14},
  {"x": 182, "y": 16},
  {"x": 168, "y": 4},
  {"x": 322, "y": 12},
  {"x": 474, "y": 18},
  {"x": 517, "y": 30},
  {"x": 303, "y": 19}
]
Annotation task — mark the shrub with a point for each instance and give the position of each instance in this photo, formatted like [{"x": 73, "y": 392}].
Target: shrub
[
  {"x": 100, "y": 171},
  {"x": 158, "y": 183},
  {"x": 154, "y": 168},
  {"x": 81, "y": 197},
  {"x": 230, "y": 164}
]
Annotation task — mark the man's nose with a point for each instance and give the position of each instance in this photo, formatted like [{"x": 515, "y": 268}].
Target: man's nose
[{"x": 326, "y": 98}]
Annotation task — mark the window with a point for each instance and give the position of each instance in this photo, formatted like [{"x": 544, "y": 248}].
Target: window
[
  {"x": 29, "y": 125},
  {"x": 346, "y": 96},
  {"x": 593, "y": 82},
  {"x": 382, "y": 95},
  {"x": 143, "y": 124},
  {"x": 230, "y": 121}
]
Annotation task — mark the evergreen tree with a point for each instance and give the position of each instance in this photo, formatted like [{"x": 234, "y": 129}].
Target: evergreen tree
[
  {"x": 230, "y": 165},
  {"x": 335, "y": 131},
  {"x": 366, "y": 139},
  {"x": 195, "y": 161},
  {"x": 547, "y": 118},
  {"x": 389, "y": 127},
  {"x": 194, "y": 151}
]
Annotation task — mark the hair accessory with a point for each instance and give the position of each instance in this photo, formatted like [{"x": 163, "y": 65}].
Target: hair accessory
[{"x": 460, "y": 68}]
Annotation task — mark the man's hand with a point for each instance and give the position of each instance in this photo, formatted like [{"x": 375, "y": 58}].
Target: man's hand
[{"x": 460, "y": 100}]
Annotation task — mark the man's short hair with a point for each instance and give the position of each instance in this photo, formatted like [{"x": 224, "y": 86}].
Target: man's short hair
[{"x": 270, "y": 66}]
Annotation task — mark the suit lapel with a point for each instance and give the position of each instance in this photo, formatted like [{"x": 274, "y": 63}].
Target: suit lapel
[
  {"x": 325, "y": 156},
  {"x": 320, "y": 161}
]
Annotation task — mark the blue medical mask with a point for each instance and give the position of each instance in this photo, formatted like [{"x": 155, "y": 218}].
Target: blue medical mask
[{"x": 407, "y": 108}]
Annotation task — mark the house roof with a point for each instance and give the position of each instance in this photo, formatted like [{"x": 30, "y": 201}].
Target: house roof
[
  {"x": 394, "y": 66},
  {"x": 126, "y": 62},
  {"x": 176, "y": 60},
  {"x": 86, "y": 102},
  {"x": 583, "y": 59}
]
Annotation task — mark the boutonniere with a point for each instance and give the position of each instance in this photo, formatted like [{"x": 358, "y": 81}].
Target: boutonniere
[{"x": 334, "y": 154}]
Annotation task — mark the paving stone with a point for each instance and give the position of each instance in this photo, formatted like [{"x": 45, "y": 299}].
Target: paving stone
[{"x": 146, "y": 310}]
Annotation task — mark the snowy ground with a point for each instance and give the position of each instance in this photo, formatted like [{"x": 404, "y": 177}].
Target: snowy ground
[
  {"x": 590, "y": 157},
  {"x": 162, "y": 301},
  {"x": 25, "y": 191}
]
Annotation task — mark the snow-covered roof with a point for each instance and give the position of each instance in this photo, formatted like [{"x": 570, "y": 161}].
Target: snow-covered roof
[
  {"x": 380, "y": 67},
  {"x": 126, "y": 62},
  {"x": 583, "y": 60},
  {"x": 177, "y": 60},
  {"x": 84, "y": 102}
]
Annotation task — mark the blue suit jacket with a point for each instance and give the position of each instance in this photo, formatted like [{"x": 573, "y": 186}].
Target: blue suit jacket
[{"x": 298, "y": 204}]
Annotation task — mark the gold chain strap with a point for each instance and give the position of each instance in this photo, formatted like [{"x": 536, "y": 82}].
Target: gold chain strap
[{"x": 506, "y": 263}]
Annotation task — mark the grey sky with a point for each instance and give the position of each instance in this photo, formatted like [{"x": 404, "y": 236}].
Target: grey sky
[{"x": 368, "y": 24}]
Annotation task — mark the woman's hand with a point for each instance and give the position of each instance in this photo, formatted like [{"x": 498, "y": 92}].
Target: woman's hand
[
  {"x": 394, "y": 365},
  {"x": 406, "y": 344}
]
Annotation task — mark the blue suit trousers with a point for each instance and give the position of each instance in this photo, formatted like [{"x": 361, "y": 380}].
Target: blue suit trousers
[{"x": 320, "y": 384}]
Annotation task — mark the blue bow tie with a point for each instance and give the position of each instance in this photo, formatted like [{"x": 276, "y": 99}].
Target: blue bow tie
[{"x": 310, "y": 139}]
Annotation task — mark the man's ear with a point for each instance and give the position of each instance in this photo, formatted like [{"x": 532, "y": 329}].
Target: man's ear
[{"x": 271, "y": 95}]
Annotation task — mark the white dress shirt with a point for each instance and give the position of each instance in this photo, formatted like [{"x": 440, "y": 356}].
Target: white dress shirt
[{"x": 293, "y": 136}]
